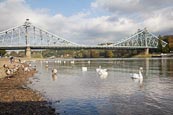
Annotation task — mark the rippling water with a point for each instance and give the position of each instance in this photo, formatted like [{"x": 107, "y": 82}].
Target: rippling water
[{"x": 76, "y": 92}]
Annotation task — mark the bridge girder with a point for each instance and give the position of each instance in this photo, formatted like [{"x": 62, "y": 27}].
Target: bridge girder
[
  {"x": 28, "y": 35},
  {"x": 142, "y": 38}
]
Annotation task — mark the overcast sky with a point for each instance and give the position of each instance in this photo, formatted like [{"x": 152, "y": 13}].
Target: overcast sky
[{"x": 90, "y": 21}]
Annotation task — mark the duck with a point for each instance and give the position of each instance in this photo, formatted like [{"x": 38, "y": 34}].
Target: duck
[
  {"x": 54, "y": 71},
  {"x": 26, "y": 69},
  {"x": 9, "y": 72},
  {"x": 5, "y": 66},
  {"x": 30, "y": 65}
]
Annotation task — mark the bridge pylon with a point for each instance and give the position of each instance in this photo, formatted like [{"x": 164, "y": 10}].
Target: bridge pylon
[
  {"x": 28, "y": 52},
  {"x": 146, "y": 51}
]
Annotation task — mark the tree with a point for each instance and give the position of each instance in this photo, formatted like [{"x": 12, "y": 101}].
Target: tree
[
  {"x": 166, "y": 49},
  {"x": 86, "y": 54},
  {"x": 95, "y": 54},
  {"x": 109, "y": 54},
  {"x": 159, "y": 47},
  {"x": 2, "y": 52}
]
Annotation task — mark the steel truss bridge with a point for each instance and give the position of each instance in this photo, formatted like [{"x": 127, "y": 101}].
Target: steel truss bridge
[{"x": 33, "y": 37}]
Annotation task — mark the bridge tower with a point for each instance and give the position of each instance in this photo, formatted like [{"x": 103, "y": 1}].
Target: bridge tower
[
  {"x": 28, "y": 49},
  {"x": 146, "y": 51}
]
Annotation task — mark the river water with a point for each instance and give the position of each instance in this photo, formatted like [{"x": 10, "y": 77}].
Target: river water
[{"x": 76, "y": 92}]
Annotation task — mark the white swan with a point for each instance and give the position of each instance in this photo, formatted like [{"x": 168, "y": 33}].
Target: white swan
[
  {"x": 84, "y": 68},
  {"x": 103, "y": 73},
  {"x": 138, "y": 75},
  {"x": 98, "y": 70}
]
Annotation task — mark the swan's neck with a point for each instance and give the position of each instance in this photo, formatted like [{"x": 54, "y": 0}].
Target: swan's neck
[{"x": 140, "y": 74}]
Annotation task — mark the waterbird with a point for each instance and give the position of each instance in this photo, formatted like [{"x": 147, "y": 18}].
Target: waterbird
[
  {"x": 5, "y": 66},
  {"x": 103, "y": 73},
  {"x": 72, "y": 62},
  {"x": 138, "y": 75},
  {"x": 98, "y": 70},
  {"x": 84, "y": 68},
  {"x": 9, "y": 72},
  {"x": 26, "y": 69},
  {"x": 30, "y": 65},
  {"x": 54, "y": 71},
  {"x": 59, "y": 61}
]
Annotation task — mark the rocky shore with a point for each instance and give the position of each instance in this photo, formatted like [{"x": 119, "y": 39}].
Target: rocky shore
[{"x": 16, "y": 98}]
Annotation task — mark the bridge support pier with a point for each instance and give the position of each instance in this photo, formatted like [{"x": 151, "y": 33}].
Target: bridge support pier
[
  {"x": 28, "y": 52},
  {"x": 146, "y": 51}
]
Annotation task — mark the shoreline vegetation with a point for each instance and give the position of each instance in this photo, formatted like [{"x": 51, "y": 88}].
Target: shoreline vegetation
[{"x": 15, "y": 97}]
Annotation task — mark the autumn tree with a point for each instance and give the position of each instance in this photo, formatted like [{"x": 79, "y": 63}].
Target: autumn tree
[
  {"x": 95, "y": 54},
  {"x": 109, "y": 54}
]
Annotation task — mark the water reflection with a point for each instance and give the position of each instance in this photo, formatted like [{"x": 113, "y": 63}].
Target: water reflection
[
  {"x": 54, "y": 77},
  {"x": 103, "y": 76},
  {"x": 89, "y": 93}
]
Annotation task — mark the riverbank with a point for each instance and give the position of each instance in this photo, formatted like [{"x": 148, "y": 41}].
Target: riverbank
[{"x": 16, "y": 98}]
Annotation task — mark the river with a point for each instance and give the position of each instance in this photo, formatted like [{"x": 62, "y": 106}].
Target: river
[{"x": 75, "y": 92}]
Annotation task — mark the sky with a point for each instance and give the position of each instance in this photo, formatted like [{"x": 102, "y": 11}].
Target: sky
[{"x": 90, "y": 21}]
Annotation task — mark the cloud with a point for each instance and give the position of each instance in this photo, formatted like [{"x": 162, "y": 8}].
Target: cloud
[
  {"x": 84, "y": 28},
  {"x": 160, "y": 21},
  {"x": 131, "y": 6},
  {"x": 156, "y": 15},
  {"x": 117, "y": 5}
]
